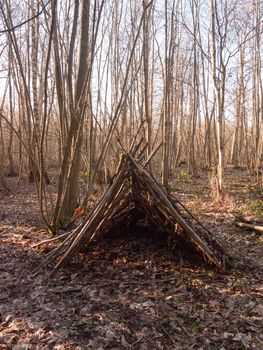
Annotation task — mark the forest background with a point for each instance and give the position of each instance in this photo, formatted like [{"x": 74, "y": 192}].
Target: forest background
[{"x": 80, "y": 80}]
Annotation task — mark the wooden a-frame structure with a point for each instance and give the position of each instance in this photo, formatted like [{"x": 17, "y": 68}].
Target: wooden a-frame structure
[{"x": 134, "y": 190}]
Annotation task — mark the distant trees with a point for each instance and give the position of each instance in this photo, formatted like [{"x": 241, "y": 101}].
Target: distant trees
[{"x": 83, "y": 77}]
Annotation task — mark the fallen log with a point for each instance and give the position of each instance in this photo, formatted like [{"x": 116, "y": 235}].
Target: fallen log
[
  {"x": 249, "y": 226},
  {"x": 250, "y": 219}
]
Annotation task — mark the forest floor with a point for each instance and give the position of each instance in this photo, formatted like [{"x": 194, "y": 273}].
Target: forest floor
[{"x": 133, "y": 292}]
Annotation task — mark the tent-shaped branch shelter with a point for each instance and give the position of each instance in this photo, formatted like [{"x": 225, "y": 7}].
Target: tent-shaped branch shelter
[{"x": 135, "y": 194}]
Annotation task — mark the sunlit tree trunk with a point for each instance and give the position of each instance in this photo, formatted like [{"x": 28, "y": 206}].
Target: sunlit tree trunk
[{"x": 218, "y": 77}]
